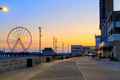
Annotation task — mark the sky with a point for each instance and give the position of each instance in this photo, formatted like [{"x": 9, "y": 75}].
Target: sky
[{"x": 71, "y": 21}]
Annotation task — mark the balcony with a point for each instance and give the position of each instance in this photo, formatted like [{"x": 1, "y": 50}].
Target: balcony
[{"x": 114, "y": 37}]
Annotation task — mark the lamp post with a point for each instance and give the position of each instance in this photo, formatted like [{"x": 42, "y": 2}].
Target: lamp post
[
  {"x": 55, "y": 40},
  {"x": 40, "y": 32},
  {"x": 0, "y": 8},
  {"x": 4, "y": 9}
]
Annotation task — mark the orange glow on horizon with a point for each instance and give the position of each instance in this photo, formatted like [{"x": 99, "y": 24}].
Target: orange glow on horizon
[{"x": 83, "y": 36}]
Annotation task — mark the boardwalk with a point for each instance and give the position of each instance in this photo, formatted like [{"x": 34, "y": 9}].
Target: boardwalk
[
  {"x": 58, "y": 70},
  {"x": 82, "y": 68}
]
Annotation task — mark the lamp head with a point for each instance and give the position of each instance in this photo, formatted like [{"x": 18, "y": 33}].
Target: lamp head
[{"x": 4, "y": 9}]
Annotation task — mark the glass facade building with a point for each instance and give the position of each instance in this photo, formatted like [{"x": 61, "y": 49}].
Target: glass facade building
[
  {"x": 106, "y": 8},
  {"x": 114, "y": 26},
  {"x": 110, "y": 28}
]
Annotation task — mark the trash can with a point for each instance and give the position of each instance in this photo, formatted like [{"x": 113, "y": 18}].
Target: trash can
[
  {"x": 29, "y": 63},
  {"x": 47, "y": 59}
]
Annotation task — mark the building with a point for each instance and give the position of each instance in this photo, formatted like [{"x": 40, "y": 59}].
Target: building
[
  {"x": 77, "y": 50},
  {"x": 106, "y": 7},
  {"x": 110, "y": 29},
  {"x": 114, "y": 33},
  {"x": 48, "y": 51},
  {"x": 98, "y": 41}
]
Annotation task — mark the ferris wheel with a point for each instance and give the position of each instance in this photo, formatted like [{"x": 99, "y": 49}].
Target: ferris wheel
[{"x": 19, "y": 39}]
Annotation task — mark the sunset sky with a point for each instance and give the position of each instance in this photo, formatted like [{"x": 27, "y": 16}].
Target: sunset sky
[{"x": 71, "y": 21}]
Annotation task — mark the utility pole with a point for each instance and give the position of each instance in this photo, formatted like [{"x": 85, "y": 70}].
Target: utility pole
[
  {"x": 40, "y": 35},
  {"x": 63, "y": 47},
  {"x": 55, "y": 43},
  {"x": 0, "y": 45},
  {"x": 68, "y": 50}
]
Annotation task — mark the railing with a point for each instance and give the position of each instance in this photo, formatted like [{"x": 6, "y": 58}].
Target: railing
[{"x": 32, "y": 54}]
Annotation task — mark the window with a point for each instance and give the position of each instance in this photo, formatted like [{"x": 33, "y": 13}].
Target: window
[
  {"x": 117, "y": 24},
  {"x": 115, "y": 31}
]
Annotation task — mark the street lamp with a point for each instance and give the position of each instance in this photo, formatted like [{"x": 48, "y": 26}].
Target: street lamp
[
  {"x": 40, "y": 32},
  {"x": 4, "y": 9}
]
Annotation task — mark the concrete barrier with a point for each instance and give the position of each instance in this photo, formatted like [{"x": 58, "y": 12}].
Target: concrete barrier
[
  {"x": 20, "y": 63},
  {"x": 14, "y": 64}
]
